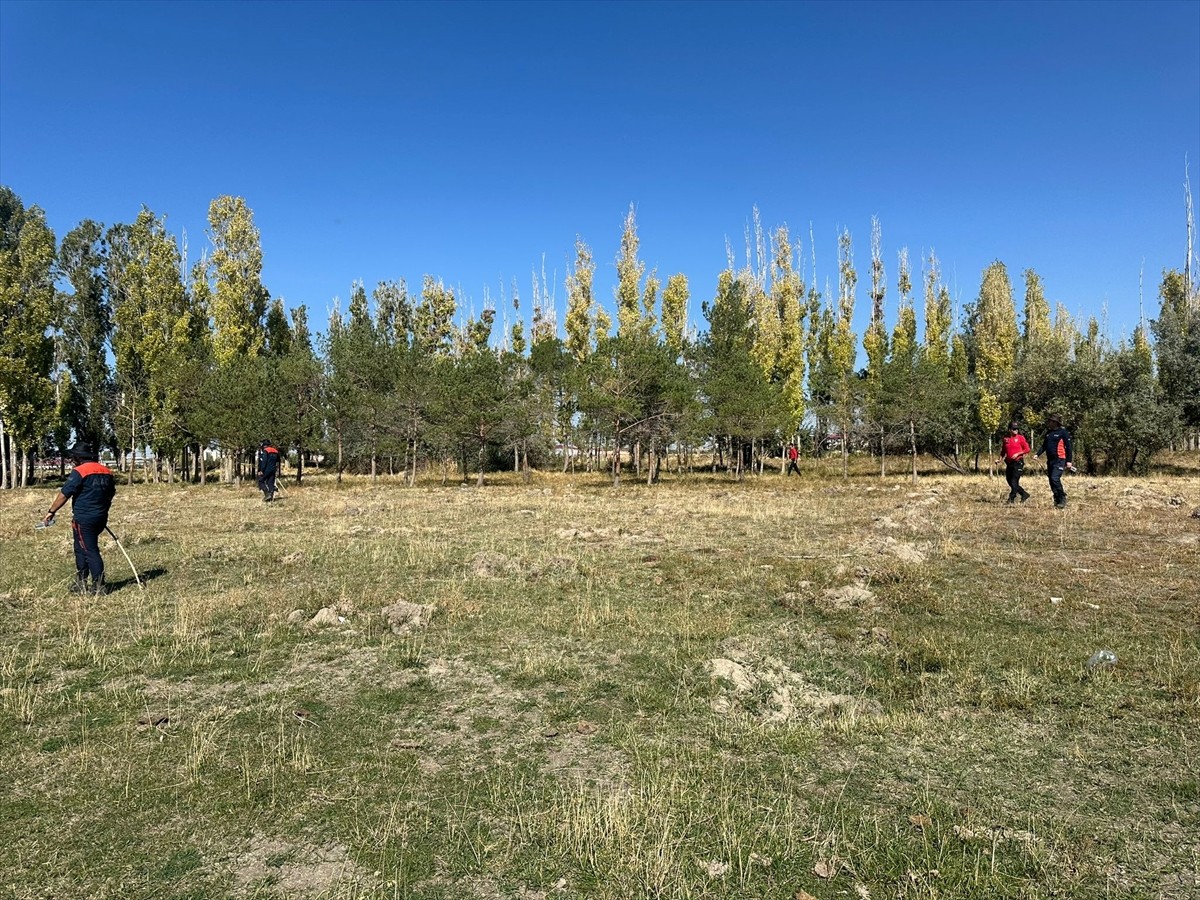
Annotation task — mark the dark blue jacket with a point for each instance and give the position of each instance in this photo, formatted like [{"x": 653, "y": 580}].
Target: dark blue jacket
[
  {"x": 268, "y": 461},
  {"x": 1057, "y": 446},
  {"x": 91, "y": 488}
]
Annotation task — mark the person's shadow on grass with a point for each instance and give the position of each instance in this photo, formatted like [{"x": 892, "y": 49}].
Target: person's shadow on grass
[{"x": 148, "y": 575}]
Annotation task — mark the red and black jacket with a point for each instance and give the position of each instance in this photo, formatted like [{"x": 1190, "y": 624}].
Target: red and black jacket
[{"x": 91, "y": 487}]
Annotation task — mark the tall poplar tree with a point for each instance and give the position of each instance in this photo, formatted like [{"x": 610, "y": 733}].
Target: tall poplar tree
[
  {"x": 27, "y": 303},
  {"x": 841, "y": 346},
  {"x": 631, "y": 316},
  {"x": 581, "y": 304},
  {"x": 239, "y": 298},
  {"x": 787, "y": 292},
  {"x": 995, "y": 342},
  {"x": 86, "y": 326},
  {"x": 1177, "y": 337},
  {"x": 875, "y": 343},
  {"x": 155, "y": 327}
]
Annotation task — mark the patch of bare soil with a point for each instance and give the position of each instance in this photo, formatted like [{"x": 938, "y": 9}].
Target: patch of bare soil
[
  {"x": 294, "y": 870},
  {"x": 765, "y": 689},
  {"x": 1138, "y": 496}
]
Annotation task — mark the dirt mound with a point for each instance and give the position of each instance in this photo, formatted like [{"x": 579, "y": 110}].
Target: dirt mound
[{"x": 768, "y": 691}]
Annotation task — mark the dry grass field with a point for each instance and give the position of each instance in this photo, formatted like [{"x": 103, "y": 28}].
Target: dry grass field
[{"x": 778, "y": 688}]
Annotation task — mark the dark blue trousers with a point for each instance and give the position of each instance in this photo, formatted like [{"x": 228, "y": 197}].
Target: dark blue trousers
[
  {"x": 86, "y": 540},
  {"x": 1054, "y": 472}
]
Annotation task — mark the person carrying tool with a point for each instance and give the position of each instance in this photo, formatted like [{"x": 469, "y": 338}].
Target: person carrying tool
[
  {"x": 1057, "y": 447},
  {"x": 268, "y": 469},
  {"x": 91, "y": 488},
  {"x": 1016, "y": 448}
]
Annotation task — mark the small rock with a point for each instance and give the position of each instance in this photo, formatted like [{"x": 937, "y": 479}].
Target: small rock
[
  {"x": 296, "y": 616},
  {"x": 403, "y": 617},
  {"x": 325, "y": 617},
  {"x": 849, "y": 596}
]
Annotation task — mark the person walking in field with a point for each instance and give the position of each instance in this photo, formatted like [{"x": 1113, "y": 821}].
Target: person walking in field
[
  {"x": 268, "y": 470},
  {"x": 1015, "y": 449},
  {"x": 91, "y": 488},
  {"x": 1057, "y": 447},
  {"x": 793, "y": 455}
]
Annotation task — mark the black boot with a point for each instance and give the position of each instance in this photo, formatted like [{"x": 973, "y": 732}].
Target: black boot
[
  {"x": 99, "y": 587},
  {"x": 79, "y": 585}
]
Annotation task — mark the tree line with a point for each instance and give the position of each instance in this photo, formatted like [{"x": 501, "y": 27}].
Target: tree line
[{"x": 110, "y": 336}]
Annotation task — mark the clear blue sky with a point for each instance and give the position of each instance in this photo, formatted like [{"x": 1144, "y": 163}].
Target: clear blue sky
[{"x": 470, "y": 141}]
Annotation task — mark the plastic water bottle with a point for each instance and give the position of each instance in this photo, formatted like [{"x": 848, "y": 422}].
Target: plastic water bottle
[{"x": 1101, "y": 659}]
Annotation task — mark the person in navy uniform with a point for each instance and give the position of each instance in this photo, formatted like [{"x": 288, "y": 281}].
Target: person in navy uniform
[
  {"x": 268, "y": 468},
  {"x": 91, "y": 489},
  {"x": 1057, "y": 447}
]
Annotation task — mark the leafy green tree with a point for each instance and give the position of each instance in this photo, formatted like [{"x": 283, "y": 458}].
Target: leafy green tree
[
  {"x": 875, "y": 343},
  {"x": 787, "y": 292},
  {"x": 156, "y": 326},
  {"x": 581, "y": 304},
  {"x": 299, "y": 391},
  {"x": 995, "y": 334},
  {"x": 674, "y": 312},
  {"x": 1177, "y": 343},
  {"x": 239, "y": 299},
  {"x": 27, "y": 305},
  {"x": 632, "y": 313},
  {"x": 86, "y": 326},
  {"x": 845, "y": 396},
  {"x": 1036, "y": 327}
]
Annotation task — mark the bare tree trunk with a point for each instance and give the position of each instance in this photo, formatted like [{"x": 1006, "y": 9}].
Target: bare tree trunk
[
  {"x": 374, "y": 462},
  {"x": 3, "y": 457},
  {"x": 616, "y": 459},
  {"x": 845, "y": 451},
  {"x": 991, "y": 459},
  {"x": 912, "y": 447},
  {"x": 339, "y": 461},
  {"x": 132, "y": 441}
]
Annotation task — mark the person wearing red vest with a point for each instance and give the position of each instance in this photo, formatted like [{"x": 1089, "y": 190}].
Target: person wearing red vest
[
  {"x": 792, "y": 456},
  {"x": 1016, "y": 448},
  {"x": 1057, "y": 447},
  {"x": 268, "y": 469},
  {"x": 91, "y": 488}
]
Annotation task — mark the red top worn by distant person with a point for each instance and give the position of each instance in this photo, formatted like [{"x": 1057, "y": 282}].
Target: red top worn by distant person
[{"x": 1015, "y": 447}]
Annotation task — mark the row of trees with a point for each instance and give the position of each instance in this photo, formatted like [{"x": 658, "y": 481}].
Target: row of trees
[{"x": 111, "y": 336}]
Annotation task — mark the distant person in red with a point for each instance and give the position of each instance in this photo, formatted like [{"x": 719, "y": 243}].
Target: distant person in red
[
  {"x": 91, "y": 488},
  {"x": 1016, "y": 448},
  {"x": 268, "y": 469},
  {"x": 1057, "y": 447},
  {"x": 792, "y": 456}
]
